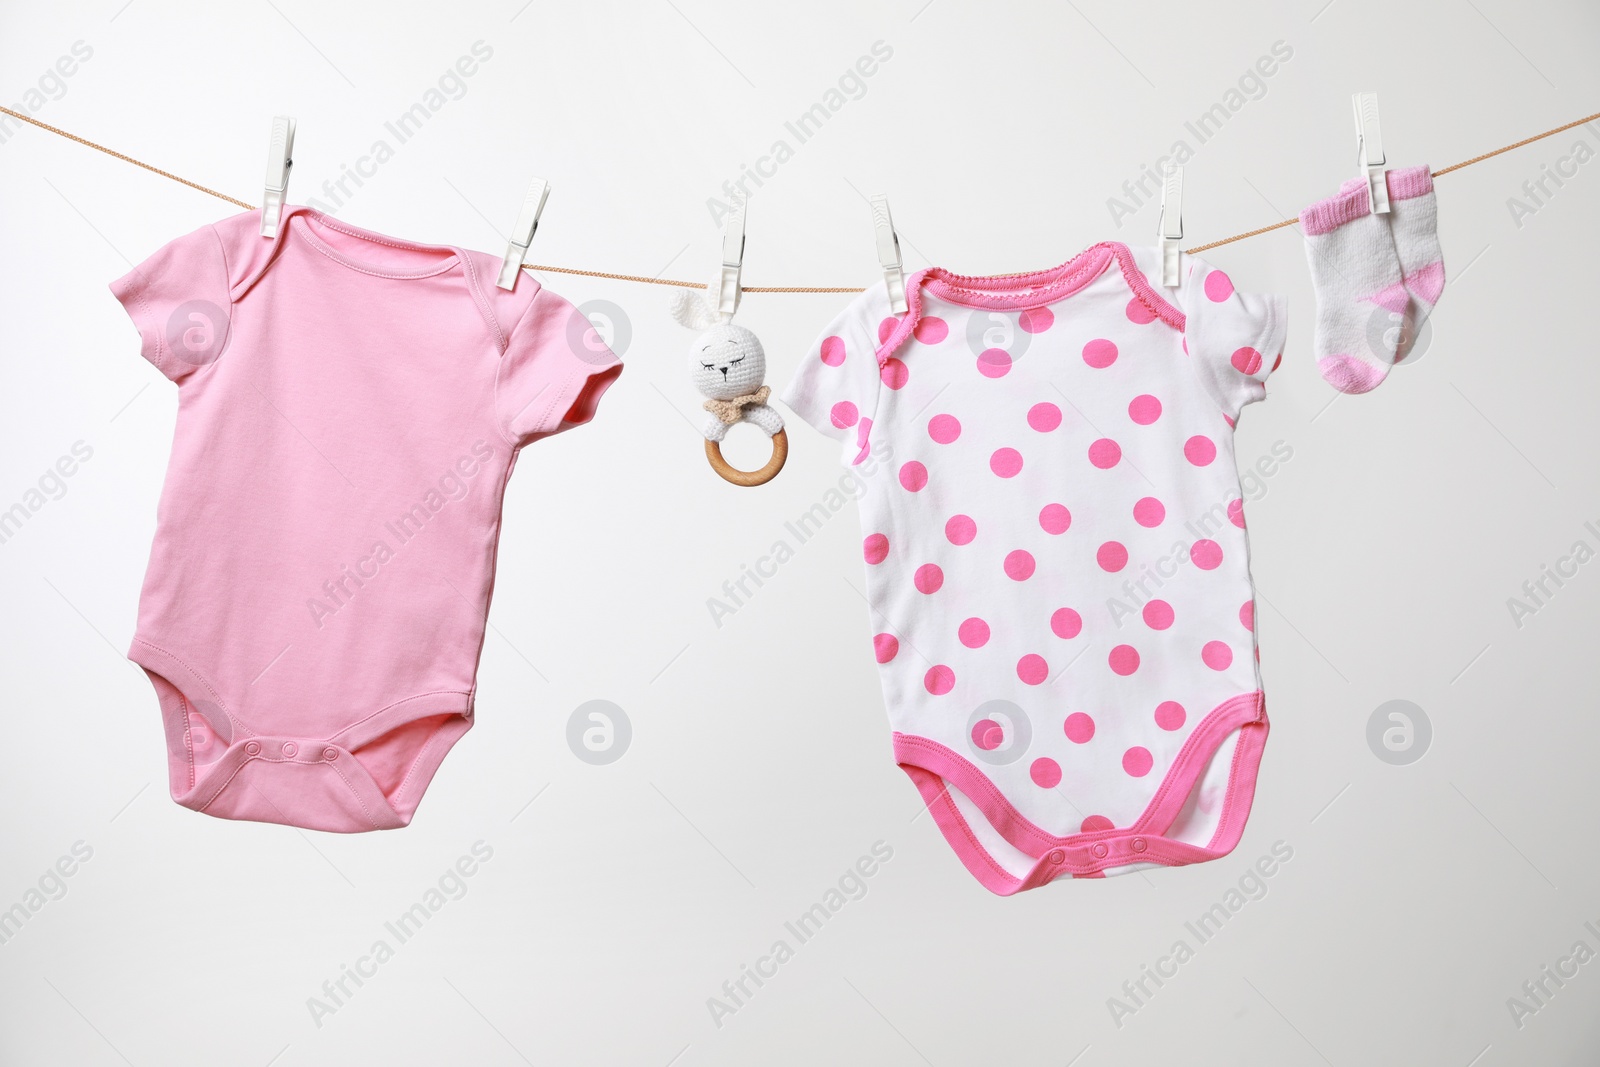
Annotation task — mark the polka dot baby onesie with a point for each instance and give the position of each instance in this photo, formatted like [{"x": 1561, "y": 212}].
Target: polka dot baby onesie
[{"x": 1057, "y": 566}]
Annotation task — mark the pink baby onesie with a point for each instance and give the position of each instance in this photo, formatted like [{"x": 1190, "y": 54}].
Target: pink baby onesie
[
  {"x": 1057, "y": 566},
  {"x": 350, "y": 407}
]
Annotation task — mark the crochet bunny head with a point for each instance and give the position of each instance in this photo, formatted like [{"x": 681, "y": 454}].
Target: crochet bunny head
[{"x": 726, "y": 360}]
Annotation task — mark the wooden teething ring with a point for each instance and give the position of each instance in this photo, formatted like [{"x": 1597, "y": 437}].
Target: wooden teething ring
[{"x": 748, "y": 479}]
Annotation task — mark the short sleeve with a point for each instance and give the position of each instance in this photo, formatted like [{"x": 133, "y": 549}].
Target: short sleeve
[
  {"x": 553, "y": 372},
  {"x": 179, "y": 301},
  {"x": 1236, "y": 339},
  {"x": 836, "y": 386}
]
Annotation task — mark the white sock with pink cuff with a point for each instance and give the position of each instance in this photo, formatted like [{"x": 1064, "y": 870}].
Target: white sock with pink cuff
[
  {"x": 1414, "y": 225},
  {"x": 1356, "y": 273}
]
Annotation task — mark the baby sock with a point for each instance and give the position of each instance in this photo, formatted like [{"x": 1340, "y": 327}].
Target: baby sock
[
  {"x": 1356, "y": 273},
  {"x": 1414, "y": 225}
]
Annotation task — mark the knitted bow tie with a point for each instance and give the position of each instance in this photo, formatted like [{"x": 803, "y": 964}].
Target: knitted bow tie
[{"x": 730, "y": 411}]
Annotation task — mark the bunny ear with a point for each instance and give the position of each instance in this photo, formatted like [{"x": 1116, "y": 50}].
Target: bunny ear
[
  {"x": 690, "y": 309},
  {"x": 682, "y": 307}
]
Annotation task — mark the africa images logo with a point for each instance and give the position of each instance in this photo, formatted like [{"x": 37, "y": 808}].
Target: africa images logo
[{"x": 197, "y": 332}]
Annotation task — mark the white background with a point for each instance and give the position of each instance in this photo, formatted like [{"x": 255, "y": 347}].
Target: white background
[{"x": 1419, "y": 898}]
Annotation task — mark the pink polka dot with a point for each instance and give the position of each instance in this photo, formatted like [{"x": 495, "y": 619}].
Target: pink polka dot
[
  {"x": 913, "y": 476},
  {"x": 931, "y": 330},
  {"x": 1099, "y": 353},
  {"x": 1124, "y": 659},
  {"x": 1137, "y": 312},
  {"x": 1236, "y": 512},
  {"x": 994, "y": 362},
  {"x": 1246, "y": 360},
  {"x": 1044, "y": 417},
  {"x": 1170, "y": 715},
  {"x": 1144, "y": 409},
  {"x": 1036, "y": 320},
  {"x": 1055, "y": 518},
  {"x": 1206, "y": 554},
  {"x": 944, "y": 428},
  {"x": 1199, "y": 450},
  {"x": 876, "y": 548},
  {"x": 1229, "y": 420},
  {"x": 894, "y": 373},
  {"x": 1079, "y": 728},
  {"x": 1137, "y": 761},
  {"x": 1218, "y": 287},
  {"x": 1105, "y": 453},
  {"x": 886, "y": 327},
  {"x": 885, "y": 647},
  {"x": 1097, "y": 822},
  {"x": 973, "y": 632},
  {"x": 844, "y": 414},
  {"x": 1033, "y": 669},
  {"x": 1006, "y": 462},
  {"x": 1112, "y": 556},
  {"x": 960, "y": 530},
  {"x": 1066, "y": 623},
  {"x": 1158, "y": 614},
  {"x": 1277, "y": 363},
  {"x": 1217, "y": 655},
  {"x": 987, "y": 734},
  {"x": 1247, "y": 614},
  {"x": 939, "y": 680},
  {"x": 929, "y": 578},
  {"x": 1149, "y": 512},
  {"x": 1045, "y": 772},
  {"x": 1019, "y": 565},
  {"x": 833, "y": 351}
]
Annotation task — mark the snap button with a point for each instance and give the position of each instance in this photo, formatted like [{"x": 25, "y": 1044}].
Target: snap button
[
  {"x": 290, "y": 748},
  {"x": 330, "y": 753},
  {"x": 1056, "y": 856},
  {"x": 1138, "y": 844},
  {"x": 1099, "y": 849},
  {"x": 252, "y": 749}
]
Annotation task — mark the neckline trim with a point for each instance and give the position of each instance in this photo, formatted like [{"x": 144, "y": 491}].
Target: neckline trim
[
  {"x": 301, "y": 222},
  {"x": 1020, "y": 292},
  {"x": 1030, "y": 290}
]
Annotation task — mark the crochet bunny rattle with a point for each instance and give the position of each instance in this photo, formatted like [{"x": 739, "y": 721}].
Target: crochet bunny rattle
[{"x": 728, "y": 365}]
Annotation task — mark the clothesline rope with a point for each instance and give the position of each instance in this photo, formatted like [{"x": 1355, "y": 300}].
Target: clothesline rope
[{"x": 754, "y": 288}]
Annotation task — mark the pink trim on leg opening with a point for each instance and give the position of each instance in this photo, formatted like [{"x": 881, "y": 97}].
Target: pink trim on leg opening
[{"x": 931, "y": 766}]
